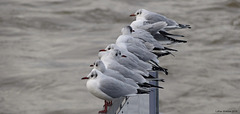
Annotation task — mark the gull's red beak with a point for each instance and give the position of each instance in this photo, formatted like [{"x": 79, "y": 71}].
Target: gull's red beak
[
  {"x": 132, "y": 15},
  {"x": 124, "y": 56},
  {"x": 102, "y": 50},
  {"x": 91, "y": 65},
  {"x": 84, "y": 78}
]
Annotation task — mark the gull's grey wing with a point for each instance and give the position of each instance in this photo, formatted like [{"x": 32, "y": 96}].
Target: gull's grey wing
[
  {"x": 120, "y": 68},
  {"x": 154, "y": 17},
  {"x": 147, "y": 37},
  {"x": 115, "y": 88},
  {"x": 126, "y": 72},
  {"x": 154, "y": 27},
  {"x": 162, "y": 39},
  {"x": 114, "y": 74},
  {"x": 142, "y": 54}
]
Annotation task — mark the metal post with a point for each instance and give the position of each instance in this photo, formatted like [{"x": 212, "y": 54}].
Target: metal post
[
  {"x": 154, "y": 96},
  {"x": 137, "y": 104}
]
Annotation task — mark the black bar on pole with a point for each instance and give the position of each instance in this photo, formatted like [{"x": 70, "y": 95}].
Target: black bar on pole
[{"x": 154, "y": 96}]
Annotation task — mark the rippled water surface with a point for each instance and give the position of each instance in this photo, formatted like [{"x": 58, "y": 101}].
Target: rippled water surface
[{"x": 46, "y": 46}]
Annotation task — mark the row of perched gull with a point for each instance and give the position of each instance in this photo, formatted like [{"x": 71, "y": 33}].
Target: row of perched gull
[{"x": 123, "y": 68}]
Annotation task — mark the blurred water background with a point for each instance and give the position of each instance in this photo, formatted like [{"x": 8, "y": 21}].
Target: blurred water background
[{"x": 46, "y": 46}]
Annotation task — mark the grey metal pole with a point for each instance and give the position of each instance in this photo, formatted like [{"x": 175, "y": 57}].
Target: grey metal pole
[{"x": 154, "y": 96}]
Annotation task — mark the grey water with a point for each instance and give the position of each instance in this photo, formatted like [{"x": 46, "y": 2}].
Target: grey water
[{"x": 46, "y": 46}]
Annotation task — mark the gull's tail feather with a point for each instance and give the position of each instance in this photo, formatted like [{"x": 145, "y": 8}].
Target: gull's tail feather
[
  {"x": 153, "y": 63},
  {"x": 175, "y": 40},
  {"x": 148, "y": 77},
  {"x": 162, "y": 54},
  {"x": 164, "y": 33},
  {"x": 156, "y": 79},
  {"x": 150, "y": 85},
  {"x": 164, "y": 48},
  {"x": 169, "y": 49},
  {"x": 184, "y": 26},
  {"x": 160, "y": 69},
  {"x": 156, "y": 67},
  {"x": 142, "y": 91}
]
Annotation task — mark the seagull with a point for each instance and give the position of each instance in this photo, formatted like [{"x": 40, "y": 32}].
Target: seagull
[
  {"x": 131, "y": 65},
  {"x": 152, "y": 28},
  {"x": 108, "y": 88},
  {"x": 130, "y": 56},
  {"x": 143, "y": 14},
  {"x": 99, "y": 65},
  {"x": 109, "y": 60},
  {"x": 157, "y": 30},
  {"x": 134, "y": 46},
  {"x": 150, "y": 42},
  {"x": 134, "y": 58}
]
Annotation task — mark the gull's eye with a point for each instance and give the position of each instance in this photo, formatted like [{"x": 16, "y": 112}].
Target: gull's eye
[
  {"x": 137, "y": 13},
  {"x": 116, "y": 54},
  {"x": 96, "y": 65},
  {"x": 91, "y": 75},
  {"x": 109, "y": 48}
]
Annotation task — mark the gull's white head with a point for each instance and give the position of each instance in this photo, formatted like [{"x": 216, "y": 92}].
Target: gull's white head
[
  {"x": 99, "y": 65},
  {"x": 92, "y": 75},
  {"x": 116, "y": 53},
  {"x": 112, "y": 46},
  {"x": 110, "y": 54},
  {"x": 127, "y": 30},
  {"x": 140, "y": 14}
]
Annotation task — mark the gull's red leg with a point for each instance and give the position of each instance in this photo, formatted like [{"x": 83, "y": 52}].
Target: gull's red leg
[
  {"x": 109, "y": 103},
  {"x": 105, "y": 103},
  {"x": 105, "y": 107}
]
